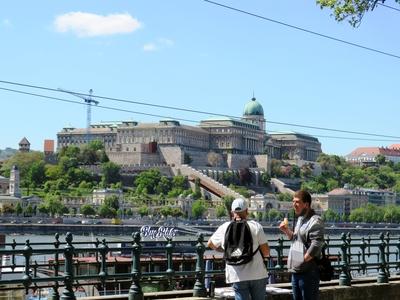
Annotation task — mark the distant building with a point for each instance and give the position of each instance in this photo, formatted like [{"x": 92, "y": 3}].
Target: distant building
[
  {"x": 367, "y": 155},
  {"x": 99, "y": 195},
  {"x": 24, "y": 145},
  {"x": 293, "y": 146},
  {"x": 48, "y": 149},
  {"x": 14, "y": 182},
  {"x": 343, "y": 201},
  {"x": 4, "y": 185},
  {"x": 13, "y": 196},
  {"x": 239, "y": 142}
]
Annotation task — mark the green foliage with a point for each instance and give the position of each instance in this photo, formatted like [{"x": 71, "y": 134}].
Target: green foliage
[
  {"x": 241, "y": 190},
  {"x": 265, "y": 179},
  {"x": 53, "y": 205},
  {"x": 199, "y": 207},
  {"x": 227, "y": 200},
  {"x": 353, "y": 11},
  {"x": 164, "y": 185},
  {"x": 112, "y": 202},
  {"x": 221, "y": 211},
  {"x": 273, "y": 214},
  {"x": 143, "y": 211},
  {"x": 110, "y": 173},
  {"x": 23, "y": 160},
  {"x": 87, "y": 210},
  {"x": 147, "y": 180},
  {"x": 18, "y": 208},
  {"x": 330, "y": 216},
  {"x": 286, "y": 197},
  {"x": 106, "y": 211},
  {"x": 369, "y": 213},
  {"x": 29, "y": 211}
]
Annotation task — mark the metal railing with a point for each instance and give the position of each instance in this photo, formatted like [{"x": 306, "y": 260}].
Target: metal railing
[{"x": 351, "y": 257}]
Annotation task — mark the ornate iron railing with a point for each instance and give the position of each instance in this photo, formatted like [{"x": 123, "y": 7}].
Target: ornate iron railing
[{"x": 377, "y": 256}]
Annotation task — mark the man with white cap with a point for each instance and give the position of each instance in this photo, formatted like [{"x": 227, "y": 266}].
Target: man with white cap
[{"x": 247, "y": 277}]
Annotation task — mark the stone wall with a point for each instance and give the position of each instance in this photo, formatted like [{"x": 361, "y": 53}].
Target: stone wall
[
  {"x": 239, "y": 161},
  {"x": 263, "y": 162},
  {"x": 171, "y": 155},
  {"x": 134, "y": 158}
]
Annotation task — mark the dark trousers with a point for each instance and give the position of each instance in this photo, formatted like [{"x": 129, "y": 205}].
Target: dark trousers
[{"x": 305, "y": 285}]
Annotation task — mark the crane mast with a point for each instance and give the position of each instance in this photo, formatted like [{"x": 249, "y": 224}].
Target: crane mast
[{"x": 89, "y": 102}]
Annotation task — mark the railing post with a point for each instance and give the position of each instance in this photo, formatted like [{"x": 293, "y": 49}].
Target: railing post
[
  {"x": 382, "y": 276},
  {"x": 135, "y": 291},
  {"x": 344, "y": 278},
  {"x": 199, "y": 289},
  {"x": 55, "y": 295},
  {"x": 170, "y": 269},
  {"x": 103, "y": 265},
  {"x": 27, "y": 279},
  {"x": 279, "y": 254},
  {"x": 68, "y": 293},
  {"x": 363, "y": 262}
]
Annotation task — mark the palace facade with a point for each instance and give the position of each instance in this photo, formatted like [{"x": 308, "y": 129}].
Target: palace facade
[{"x": 235, "y": 142}]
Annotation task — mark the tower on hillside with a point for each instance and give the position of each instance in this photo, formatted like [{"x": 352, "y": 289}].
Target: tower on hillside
[
  {"x": 254, "y": 113},
  {"x": 24, "y": 145},
  {"x": 14, "y": 182}
]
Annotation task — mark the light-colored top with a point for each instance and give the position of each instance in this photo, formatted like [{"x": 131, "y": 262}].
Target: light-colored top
[{"x": 253, "y": 270}]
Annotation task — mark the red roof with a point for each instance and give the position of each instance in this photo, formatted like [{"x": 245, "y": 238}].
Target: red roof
[
  {"x": 48, "y": 145},
  {"x": 373, "y": 151},
  {"x": 395, "y": 146}
]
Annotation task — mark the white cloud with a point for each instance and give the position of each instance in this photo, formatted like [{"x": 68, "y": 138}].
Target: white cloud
[
  {"x": 166, "y": 42},
  {"x": 149, "y": 47},
  {"x": 161, "y": 43},
  {"x": 89, "y": 25},
  {"x": 6, "y": 22}
]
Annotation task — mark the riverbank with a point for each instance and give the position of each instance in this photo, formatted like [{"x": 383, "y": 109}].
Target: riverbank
[{"x": 105, "y": 229}]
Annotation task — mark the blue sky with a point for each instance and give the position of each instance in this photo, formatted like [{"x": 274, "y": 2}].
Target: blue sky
[{"x": 196, "y": 55}]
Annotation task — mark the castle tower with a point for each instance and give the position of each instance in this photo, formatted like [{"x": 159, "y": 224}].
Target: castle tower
[
  {"x": 254, "y": 113},
  {"x": 14, "y": 182},
  {"x": 24, "y": 145}
]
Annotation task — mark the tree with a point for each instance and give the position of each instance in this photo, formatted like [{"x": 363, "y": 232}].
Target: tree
[
  {"x": 221, "y": 211},
  {"x": 28, "y": 210},
  {"x": 353, "y": 11},
  {"x": 112, "y": 202},
  {"x": 147, "y": 180},
  {"x": 380, "y": 159},
  {"x": 143, "y": 211},
  {"x": 110, "y": 173},
  {"x": 18, "y": 209},
  {"x": 214, "y": 159},
  {"x": 53, "y": 205},
  {"x": 285, "y": 197},
  {"x": 87, "y": 210},
  {"x": 164, "y": 185},
  {"x": 107, "y": 211},
  {"x": 245, "y": 176},
  {"x": 198, "y": 208},
  {"x": 37, "y": 173}
]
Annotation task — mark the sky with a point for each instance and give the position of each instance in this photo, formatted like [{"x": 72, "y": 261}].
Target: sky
[{"x": 199, "y": 56}]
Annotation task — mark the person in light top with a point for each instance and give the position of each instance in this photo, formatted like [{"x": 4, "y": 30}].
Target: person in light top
[{"x": 249, "y": 278}]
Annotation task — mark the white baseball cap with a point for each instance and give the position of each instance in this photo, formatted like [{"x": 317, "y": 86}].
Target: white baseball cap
[{"x": 239, "y": 205}]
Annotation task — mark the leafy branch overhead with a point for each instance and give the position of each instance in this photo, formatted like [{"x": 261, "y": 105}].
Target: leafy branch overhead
[{"x": 351, "y": 10}]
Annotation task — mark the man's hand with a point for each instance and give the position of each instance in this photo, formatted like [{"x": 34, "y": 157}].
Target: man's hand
[
  {"x": 307, "y": 257},
  {"x": 283, "y": 226}
]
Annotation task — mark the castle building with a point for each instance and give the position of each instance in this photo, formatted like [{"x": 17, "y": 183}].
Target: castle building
[
  {"x": 24, "y": 145},
  {"x": 239, "y": 141}
]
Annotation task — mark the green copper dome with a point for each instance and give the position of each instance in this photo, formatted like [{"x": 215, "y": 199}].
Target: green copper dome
[{"x": 253, "y": 108}]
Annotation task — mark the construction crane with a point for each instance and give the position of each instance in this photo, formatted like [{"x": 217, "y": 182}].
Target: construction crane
[{"x": 89, "y": 102}]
